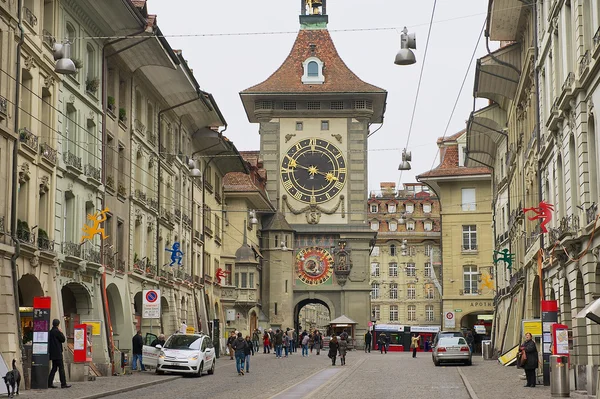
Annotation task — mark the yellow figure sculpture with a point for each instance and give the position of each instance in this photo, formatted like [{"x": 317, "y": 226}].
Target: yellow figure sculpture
[
  {"x": 313, "y": 6},
  {"x": 486, "y": 282},
  {"x": 91, "y": 231}
]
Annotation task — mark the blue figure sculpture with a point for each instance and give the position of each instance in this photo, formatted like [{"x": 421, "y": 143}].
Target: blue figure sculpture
[{"x": 176, "y": 254}]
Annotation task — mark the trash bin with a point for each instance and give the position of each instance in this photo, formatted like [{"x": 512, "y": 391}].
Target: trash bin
[
  {"x": 559, "y": 377},
  {"x": 486, "y": 350}
]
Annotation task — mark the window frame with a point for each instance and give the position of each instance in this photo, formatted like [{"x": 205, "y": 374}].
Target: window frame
[
  {"x": 468, "y": 199},
  {"x": 469, "y": 238},
  {"x": 393, "y": 291},
  {"x": 375, "y": 270},
  {"x": 393, "y": 313},
  {"x": 411, "y": 269},
  {"x": 393, "y": 269},
  {"x": 470, "y": 280},
  {"x": 375, "y": 290},
  {"x": 429, "y": 313},
  {"x": 411, "y": 313},
  {"x": 411, "y": 291}
]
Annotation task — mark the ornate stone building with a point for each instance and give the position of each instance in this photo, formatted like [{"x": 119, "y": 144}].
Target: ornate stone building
[{"x": 405, "y": 262}]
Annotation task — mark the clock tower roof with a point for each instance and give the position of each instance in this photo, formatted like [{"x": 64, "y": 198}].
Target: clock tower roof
[{"x": 338, "y": 78}]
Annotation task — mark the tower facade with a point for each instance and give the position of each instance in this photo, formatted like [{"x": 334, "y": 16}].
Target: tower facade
[{"x": 314, "y": 115}]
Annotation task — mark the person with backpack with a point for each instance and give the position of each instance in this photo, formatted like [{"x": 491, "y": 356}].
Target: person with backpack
[{"x": 239, "y": 345}]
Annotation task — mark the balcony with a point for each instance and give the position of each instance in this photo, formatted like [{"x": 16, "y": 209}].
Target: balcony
[
  {"x": 109, "y": 257},
  {"x": 29, "y": 139},
  {"x": 71, "y": 249},
  {"x": 30, "y": 17},
  {"x": 44, "y": 243},
  {"x": 229, "y": 293},
  {"x": 3, "y": 108},
  {"x": 532, "y": 237},
  {"x": 153, "y": 203},
  {"x": 140, "y": 195},
  {"x": 590, "y": 213},
  {"x": 567, "y": 91},
  {"x": 597, "y": 43},
  {"x": 178, "y": 214},
  {"x": 170, "y": 159},
  {"x": 186, "y": 220},
  {"x": 152, "y": 137},
  {"x": 24, "y": 235},
  {"x": 48, "y": 39},
  {"x": 150, "y": 269},
  {"x": 584, "y": 65},
  {"x": 49, "y": 153},
  {"x": 122, "y": 190},
  {"x": 247, "y": 295},
  {"x": 567, "y": 225},
  {"x": 139, "y": 265},
  {"x": 93, "y": 256},
  {"x": 162, "y": 150},
  {"x": 92, "y": 172},
  {"x": 2, "y": 227},
  {"x": 139, "y": 126},
  {"x": 110, "y": 183},
  {"x": 121, "y": 265},
  {"x": 72, "y": 160},
  {"x": 166, "y": 215}
]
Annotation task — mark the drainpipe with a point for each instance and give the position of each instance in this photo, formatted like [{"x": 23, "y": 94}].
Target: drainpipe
[{"x": 15, "y": 179}]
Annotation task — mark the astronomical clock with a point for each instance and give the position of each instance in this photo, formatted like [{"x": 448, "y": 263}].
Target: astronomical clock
[{"x": 314, "y": 265}]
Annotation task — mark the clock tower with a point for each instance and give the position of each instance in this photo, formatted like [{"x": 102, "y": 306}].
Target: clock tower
[{"x": 314, "y": 115}]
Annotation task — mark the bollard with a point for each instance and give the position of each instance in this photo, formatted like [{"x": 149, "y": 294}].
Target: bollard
[
  {"x": 486, "y": 350},
  {"x": 559, "y": 377}
]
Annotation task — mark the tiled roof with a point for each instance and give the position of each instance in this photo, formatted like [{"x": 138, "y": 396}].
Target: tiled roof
[
  {"x": 450, "y": 158},
  {"x": 239, "y": 181},
  {"x": 139, "y": 3},
  {"x": 338, "y": 77}
]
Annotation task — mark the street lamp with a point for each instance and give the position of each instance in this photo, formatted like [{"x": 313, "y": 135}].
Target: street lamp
[
  {"x": 408, "y": 41},
  {"x": 194, "y": 171},
  {"x": 406, "y": 158},
  {"x": 62, "y": 56}
]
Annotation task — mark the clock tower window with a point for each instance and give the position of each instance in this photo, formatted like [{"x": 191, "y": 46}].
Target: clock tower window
[{"x": 313, "y": 71}]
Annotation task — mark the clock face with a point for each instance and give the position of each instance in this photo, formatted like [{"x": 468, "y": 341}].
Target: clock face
[
  {"x": 314, "y": 265},
  {"x": 313, "y": 171}
]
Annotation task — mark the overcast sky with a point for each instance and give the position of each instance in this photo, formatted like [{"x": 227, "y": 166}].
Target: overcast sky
[{"x": 225, "y": 65}]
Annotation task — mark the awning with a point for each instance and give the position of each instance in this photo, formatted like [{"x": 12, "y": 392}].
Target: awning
[
  {"x": 497, "y": 75},
  {"x": 484, "y": 135},
  {"x": 257, "y": 251},
  {"x": 506, "y": 19},
  {"x": 591, "y": 311},
  {"x": 211, "y": 144},
  {"x": 343, "y": 319}
]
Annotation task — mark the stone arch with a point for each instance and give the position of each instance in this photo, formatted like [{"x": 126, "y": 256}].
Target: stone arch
[
  {"x": 29, "y": 287},
  {"x": 253, "y": 319},
  {"x": 565, "y": 302},
  {"x": 77, "y": 304},
  {"x": 579, "y": 324},
  {"x": 306, "y": 300},
  {"x": 115, "y": 309},
  {"x": 166, "y": 320}
]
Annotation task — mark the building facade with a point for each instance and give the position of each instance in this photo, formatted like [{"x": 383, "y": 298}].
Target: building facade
[
  {"x": 405, "y": 262},
  {"x": 552, "y": 142},
  {"x": 468, "y": 285},
  {"x": 314, "y": 115}
]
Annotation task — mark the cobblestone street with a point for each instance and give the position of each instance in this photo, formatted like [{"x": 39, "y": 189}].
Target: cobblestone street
[{"x": 365, "y": 376}]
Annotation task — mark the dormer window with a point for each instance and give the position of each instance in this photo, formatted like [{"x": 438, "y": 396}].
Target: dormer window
[{"x": 313, "y": 71}]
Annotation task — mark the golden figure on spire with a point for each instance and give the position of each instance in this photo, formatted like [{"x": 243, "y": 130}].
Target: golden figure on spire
[{"x": 313, "y": 6}]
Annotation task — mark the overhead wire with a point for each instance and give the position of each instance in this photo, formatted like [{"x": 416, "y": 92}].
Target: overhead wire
[{"x": 412, "y": 118}]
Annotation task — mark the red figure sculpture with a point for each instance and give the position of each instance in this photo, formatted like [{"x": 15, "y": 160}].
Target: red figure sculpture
[
  {"x": 544, "y": 212},
  {"x": 221, "y": 274}
]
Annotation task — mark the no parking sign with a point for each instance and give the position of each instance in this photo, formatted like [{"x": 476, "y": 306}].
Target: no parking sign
[
  {"x": 151, "y": 304},
  {"x": 449, "y": 320}
]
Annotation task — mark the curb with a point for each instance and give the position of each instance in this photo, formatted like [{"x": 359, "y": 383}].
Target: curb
[
  {"x": 130, "y": 388},
  {"x": 467, "y": 384}
]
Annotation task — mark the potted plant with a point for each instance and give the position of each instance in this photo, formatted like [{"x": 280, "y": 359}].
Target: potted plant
[
  {"x": 91, "y": 85},
  {"x": 22, "y": 230},
  {"x": 78, "y": 63},
  {"x": 43, "y": 240},
  {"x": 111, "y": 103},
  {"x": 122, "y": 115}
]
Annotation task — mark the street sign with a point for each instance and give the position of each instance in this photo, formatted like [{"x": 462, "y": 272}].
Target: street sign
[
  {"x": 151, "y": 304},
  {"x": 449, "y": 320},
  {"x": 458, "y": 310}
]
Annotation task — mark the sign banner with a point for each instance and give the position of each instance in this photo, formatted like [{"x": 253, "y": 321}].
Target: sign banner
[
  {"x": 40, "y": 358},
  {"x": 425, "y": 329},
  {"x": 151, "y": 304},
  {"x": 549, "y": 317},
  {"x": 534, "y": 327},
  {"x": 96, "y": 327},
  {"x": 449, "y": 320}
]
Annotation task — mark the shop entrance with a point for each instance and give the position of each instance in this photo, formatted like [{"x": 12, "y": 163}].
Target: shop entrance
[
  {"x": 115, "y": 308},
  {"x": 76, "y": 303},
  {"x": 29, "y": 287},
  {"x": 479, "y": 324}
]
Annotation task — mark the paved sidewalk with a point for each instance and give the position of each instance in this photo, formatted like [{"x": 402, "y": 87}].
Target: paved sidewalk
[
  {"x": 490, "y": 380},
  {"x": 102, "y": 385}
]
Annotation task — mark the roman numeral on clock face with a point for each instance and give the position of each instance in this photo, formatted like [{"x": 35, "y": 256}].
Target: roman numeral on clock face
[
  {"x": 288, "y": 184},
  {"x": 338, "y": 184}
]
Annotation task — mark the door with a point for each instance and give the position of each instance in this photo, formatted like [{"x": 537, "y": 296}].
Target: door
[{"x": 150, "y": 353}]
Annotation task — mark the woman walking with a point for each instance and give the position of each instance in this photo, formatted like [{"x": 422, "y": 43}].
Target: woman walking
[
  {"x": 305, "y": 339},
  {"x": 266, "y": 343},
  {"x": 414, "y": 344},
  {"x": 333, "y": 349},
  {"x": 529, "y": 359},
  {"x": 249, "y": 351},
  {"x": 343, "y": 347}
]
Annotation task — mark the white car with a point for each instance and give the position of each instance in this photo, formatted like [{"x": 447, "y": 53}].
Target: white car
[{"x": 182, "y": 353}]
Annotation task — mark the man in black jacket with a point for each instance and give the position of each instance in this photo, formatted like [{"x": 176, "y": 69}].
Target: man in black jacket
[
  {"x": 55, "y": 340},
  {"x": 239, "y": 345},
  {"x": 137, "y": 343}
]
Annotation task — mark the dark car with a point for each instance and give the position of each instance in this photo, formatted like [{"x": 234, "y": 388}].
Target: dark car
[{"x": 446, "y": 334}]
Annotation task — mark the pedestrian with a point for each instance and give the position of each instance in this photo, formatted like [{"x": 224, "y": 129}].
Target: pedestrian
[
  {"x": 249, "y": 352},
  {"x": 344, "y": 334},
  {"x": 311, "y": 341},
  {"x": 529, "y": 359},
  {"x": 382, "y": 342},
  {"x": 159, "y": 341},
  {"x": 183, "y": 327},
  {"x": 368, "y": 338},
  {"x": 414, "y": 344},
  {"x": 137, "y": 343},
  {"x": 272, "y": 340},
  {"x": 255, "y": 339},
  {"x": 305, "y": 340},
  {"x": 469, "y": 338},
  {"x": 278, "y": 343},
  {"x": 239, "y": 345},
  {"x": 55, "y": 349},
  {"x": 286, "y": 344},
  {"x": 333, "y": 349},
  {"x": 294, "y": 341},
  {"x": 229, "y": 344},
  {"x": 266, "y": 343},
  {"x": 318, "y": 341},
  {"x": 343, "y": 348},
  {"x": 290, "y": 333}
]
